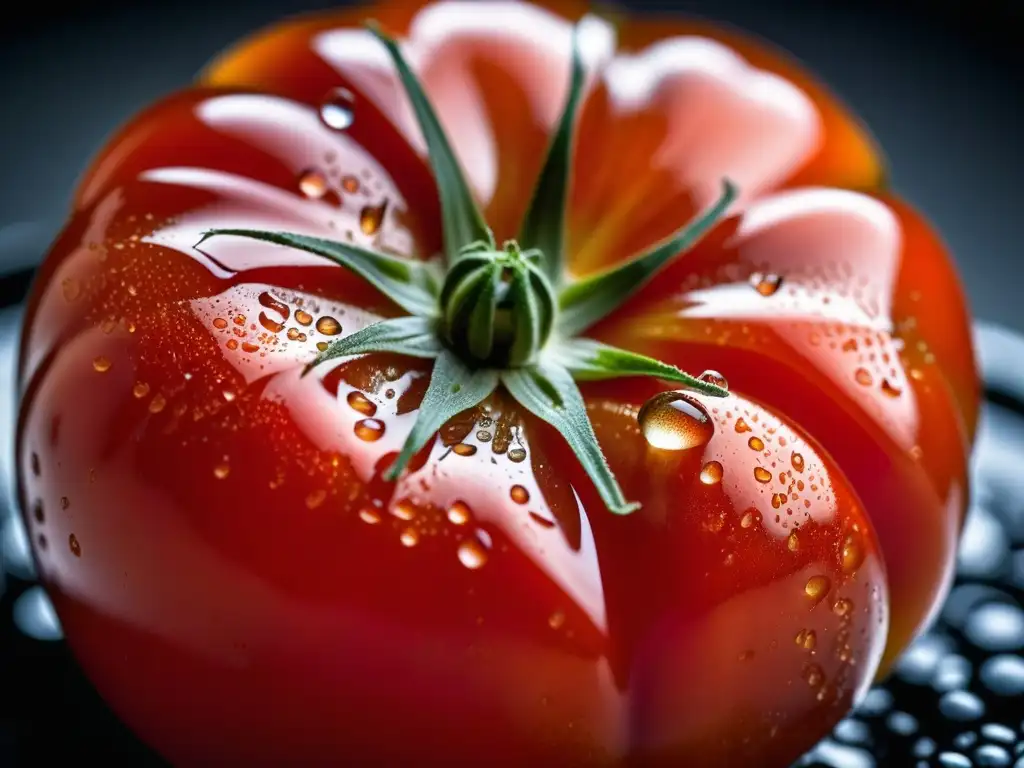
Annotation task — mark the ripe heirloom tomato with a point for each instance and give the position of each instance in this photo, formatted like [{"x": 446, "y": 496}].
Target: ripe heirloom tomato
[{"x": 241, "y": 569}]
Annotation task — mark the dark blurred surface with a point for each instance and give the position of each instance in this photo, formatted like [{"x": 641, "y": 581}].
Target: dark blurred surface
[{"x": 940, "y": 84}]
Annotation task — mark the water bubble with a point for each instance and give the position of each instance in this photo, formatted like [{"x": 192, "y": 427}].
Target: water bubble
[
  {"x": 962, "y": 706},
  {"x": 797, "y": 460},
  {"x": 519, "y": 494},
  {"x": 714, "y": 377},
  {"x": 711, "y": 473},
  {"x": 1003, "y": 675},
  {"x": 357, "y": 401},
  {"x": 991, "y": 756},
  {"x": 755, "y": 444},
  {"x": 157, "y": 404},
  {"x": 336, "y": 110},
  {"x": 328, "y": 326},
  {"x": 674, "y": 421},
  {"x": 459, "y": 513},
  {"x": 312, "y": 184},
  {"x": 766, "y": 283},
  {"x": 817, "y": 587},
  {"x": 517, "y": 455},
  {"x": 952, "y": 673},
  {"x": 101, "y": 364},
  {"x": 472, "y": 554},
  {"x": 302, "y": 317},
  {"x": 369, "y": 430},
  {"x": 762, "y": 475},
  {"x": 998, "y": 732},
  {"x": 996, "y": 627},
  {"x": 371, "y": 217},
  {"x": 409, "y": 537}
]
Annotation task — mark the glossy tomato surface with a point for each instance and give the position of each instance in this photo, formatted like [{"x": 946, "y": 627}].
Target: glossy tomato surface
[{"x": 242, "y": 585}]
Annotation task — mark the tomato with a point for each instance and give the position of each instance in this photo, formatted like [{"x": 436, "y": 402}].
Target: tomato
[{"x": 244, "y": 585}]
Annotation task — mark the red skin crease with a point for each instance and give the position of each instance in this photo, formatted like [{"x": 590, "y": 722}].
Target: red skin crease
[{"x": 244, "y": 588}]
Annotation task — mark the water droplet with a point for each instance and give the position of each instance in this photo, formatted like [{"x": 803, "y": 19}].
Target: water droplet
[
  {"x": 336, "y": 110},
  {"x": 220, "y": 322},
  {"x": 158, "y": 403},
  {"x": 74, "y": 546},
  {"x": 472, "y": 554},
  {"x": 65, "y": 502},
  {"x": 463, "y": 449},
  {"x": 817, "y": 587},
  {"x": 762, "y": 475},
  {"x": 756, "y": 444},
  {"x": 483, "y": 436},
  {"x": 369, "y": 516},
  {"x": 371, "y": 217},
  {"x": 863, "y": 377},
  {"x": 842, "y": 607},
  {"x": 250, "y": 347},
  {"x": 747, "y": 520},
  {"x": 328, "y": 326},
  {"x": 38, "y": 512},
  {"x": 952, "y": 673},
  {"x": 519, "y": 494},
  {"x": 711, "y": 473},
  {"x": 312, "y": 184},
  {"x": 714, "y": 377},
  {"x": 101, "y": 364},
  {"x": 271, "y": 325},
  {"x": 556, "y": 620},
  {"x": 741, "y": 425},
  {"x": 852, "y": 553},
  {"x": 797, "y": 461},
  {"x": 228, "y": 395},
  {"x": 71, "y": 289},
  {"x": 232, "y": 344},
  {"x": 459, "y": 513},
  {"x": 888, "y": 388},
  {"x": 814, "y": 675},
  {"x": 404, "y": 510},
  {"x": 766, "y": 283},
  {"x": 1003, "y": 675},
  {"x": 853, "y": 731},
  {"x": 140, "y": 390},
  {"x": 953, "y": 760},
  {"x": 369, "y": 430},
  {"x": 316, "y": 498},
  {"x": 806, "y": 639},
  {"x": 793, "y": 542},
  {"x": 36, "y": 468},
  {"x": 322, "y": 346},
  {"x": 302, "y": 317},
  {"x": 409, "y": 537},
  {"x": 673, "y": 421},
  {"x": 350, "y": 184},
  {"x": 517, "y": 455},
  {"x": 222, "y": 470},
  {"x": 961, "y": 706},
  {"x": 357, "y": 401}
]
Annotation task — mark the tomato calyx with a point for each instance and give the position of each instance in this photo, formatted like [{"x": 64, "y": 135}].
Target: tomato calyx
[{"x": 506, "y": 316}]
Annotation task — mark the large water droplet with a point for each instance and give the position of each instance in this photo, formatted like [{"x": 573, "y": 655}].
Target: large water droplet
[
  {"x": 519, "y": 494},
  {"x": 328, "y": 326},
  {"x": 817, "y": 587},
  {"x": 755, "y": 444},
  {"x": 371, "y": 217},
  {"x": 459, "y": 513},
  {"x": 516, "y": 455},
  {"x": 337, "y": 109},
  {"x": 472, "y": 554},
  {"x": 673, "y": 421},
  {"x": 357, "y": 401},
  {"x": 302, "y": 317},
  {"x": 714, "y": 377},
  {"x": 991, "y": 756},
  {"x": 369, "y": 430},
  {"x": 762, "y": 475},
  {"x": 711, "y": 473},
  {"x": 409, "y": 537},
  {"x": 312, "y": 184}
]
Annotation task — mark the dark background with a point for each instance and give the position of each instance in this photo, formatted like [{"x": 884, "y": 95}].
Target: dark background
[{"x": 940, "y": 83}]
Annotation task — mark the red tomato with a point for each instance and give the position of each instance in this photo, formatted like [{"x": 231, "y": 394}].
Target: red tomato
[{"x": 243, "y": 586}]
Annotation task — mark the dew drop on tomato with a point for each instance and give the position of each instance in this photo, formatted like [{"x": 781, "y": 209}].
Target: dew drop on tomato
[
  {"x": 328, "y": 326},
  {"x": 817, "y": 588},
  {"x": 472, "y": 554},
  {"x": 766, "y": 283},
  {"x": 369, "y": 430},
  {"x": 360, "y": 403},
  {"x": 369, "y": 516},
  {"x": 337, "y": 109},
  {"x": 517, "y": 455},
  {"x": 673, "y": 421},
  {"x": 756, "y": 444},
  {"x": 101, "y": 364},
  {"x": 863, "y": 377},
  {"x": 459, "y": 513},
  {"x": 302, "y": 317},
  {"x": 371, "y": 217},
  {"x": 409, "y": 537},
  {"x": 762, "y": 475},
  {"x": 714, "y": 377},
  {"x": 312, "y": 184},
  {"x": 711, "y": 473},
  {"x": 519, "y": 494}
]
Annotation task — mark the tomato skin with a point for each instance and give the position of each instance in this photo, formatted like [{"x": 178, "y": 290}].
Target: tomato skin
[{"x": 214, "y": 529}]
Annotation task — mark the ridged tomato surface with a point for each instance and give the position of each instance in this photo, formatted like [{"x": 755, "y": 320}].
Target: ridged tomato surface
[{"x": 242, "y": 585}]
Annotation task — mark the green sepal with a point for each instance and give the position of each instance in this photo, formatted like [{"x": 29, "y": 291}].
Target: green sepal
[
  {"x": 412, "y": 285},
  {"x": 586, "y": 301},
  {"x": 412, "y": 336},
  {"x": 589, "y": 360},
  {"x": 453, "y": 389},
  {"x": 544, "y": 224},
  {"x": 461, "y": 218},
  {"x": 548, "y": 391}
]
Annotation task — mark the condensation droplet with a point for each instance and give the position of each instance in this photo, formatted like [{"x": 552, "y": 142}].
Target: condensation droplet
[
  {"x": 852, "y": 553},
  {"x": 756, "y": 444},
  {"x": 101, "y": 364},
  {"x": 158, "y": 403},
  {"x": 357, "y": 401},
  {"x": 316, "y": 498},
  {"x": 371, "y": 217},
  {"x": 222, "y": 470},
  {"x": 674, "y": 421},
  {"x": 807, "y": 639},
  {"x": 328, "y": 326},
  {"x": 71, "y": 289},
  {"x": 714, "y": 377},
  {"x": 519, "y": 494},
  {"x": 337, "y": 109},
  {"x": 409, "y": 537},
  {"x": 793, "y": 542},
  {"x": 817, "y": 588},
  {"x": 814, "y": 675},
  {"x": 711, "y": 473},
  {"x": 863, "y": 377},
  {"x": 842, "y": 606},
  {"x": 459, "y": 513},
  {"x": 766, "y": 283},
  {"x": 463, "y": 449},
  {"x": 762, "y": 475},
  {"x": 472, "y": 554},
  {"x": 322, "y": 346},
  {"x": 302, "y": 317},
  {"x": 556, "y": 619},
  {"x": 797, "y": 460},
  {"x": 517, "y": 455},
  {"x": 350, "y": 184},
  {"x": 312, "y": 184},
  {"x": 140, "y": 390},
  {"x": 369, "y": 429},
  {"x": 74, "y": 546},
  {"x": 889, "y": 389},
  {"x": 741, "y": 425},
  {"x": 369, "y": 516},
  {"x": 220, "y": 323}
]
